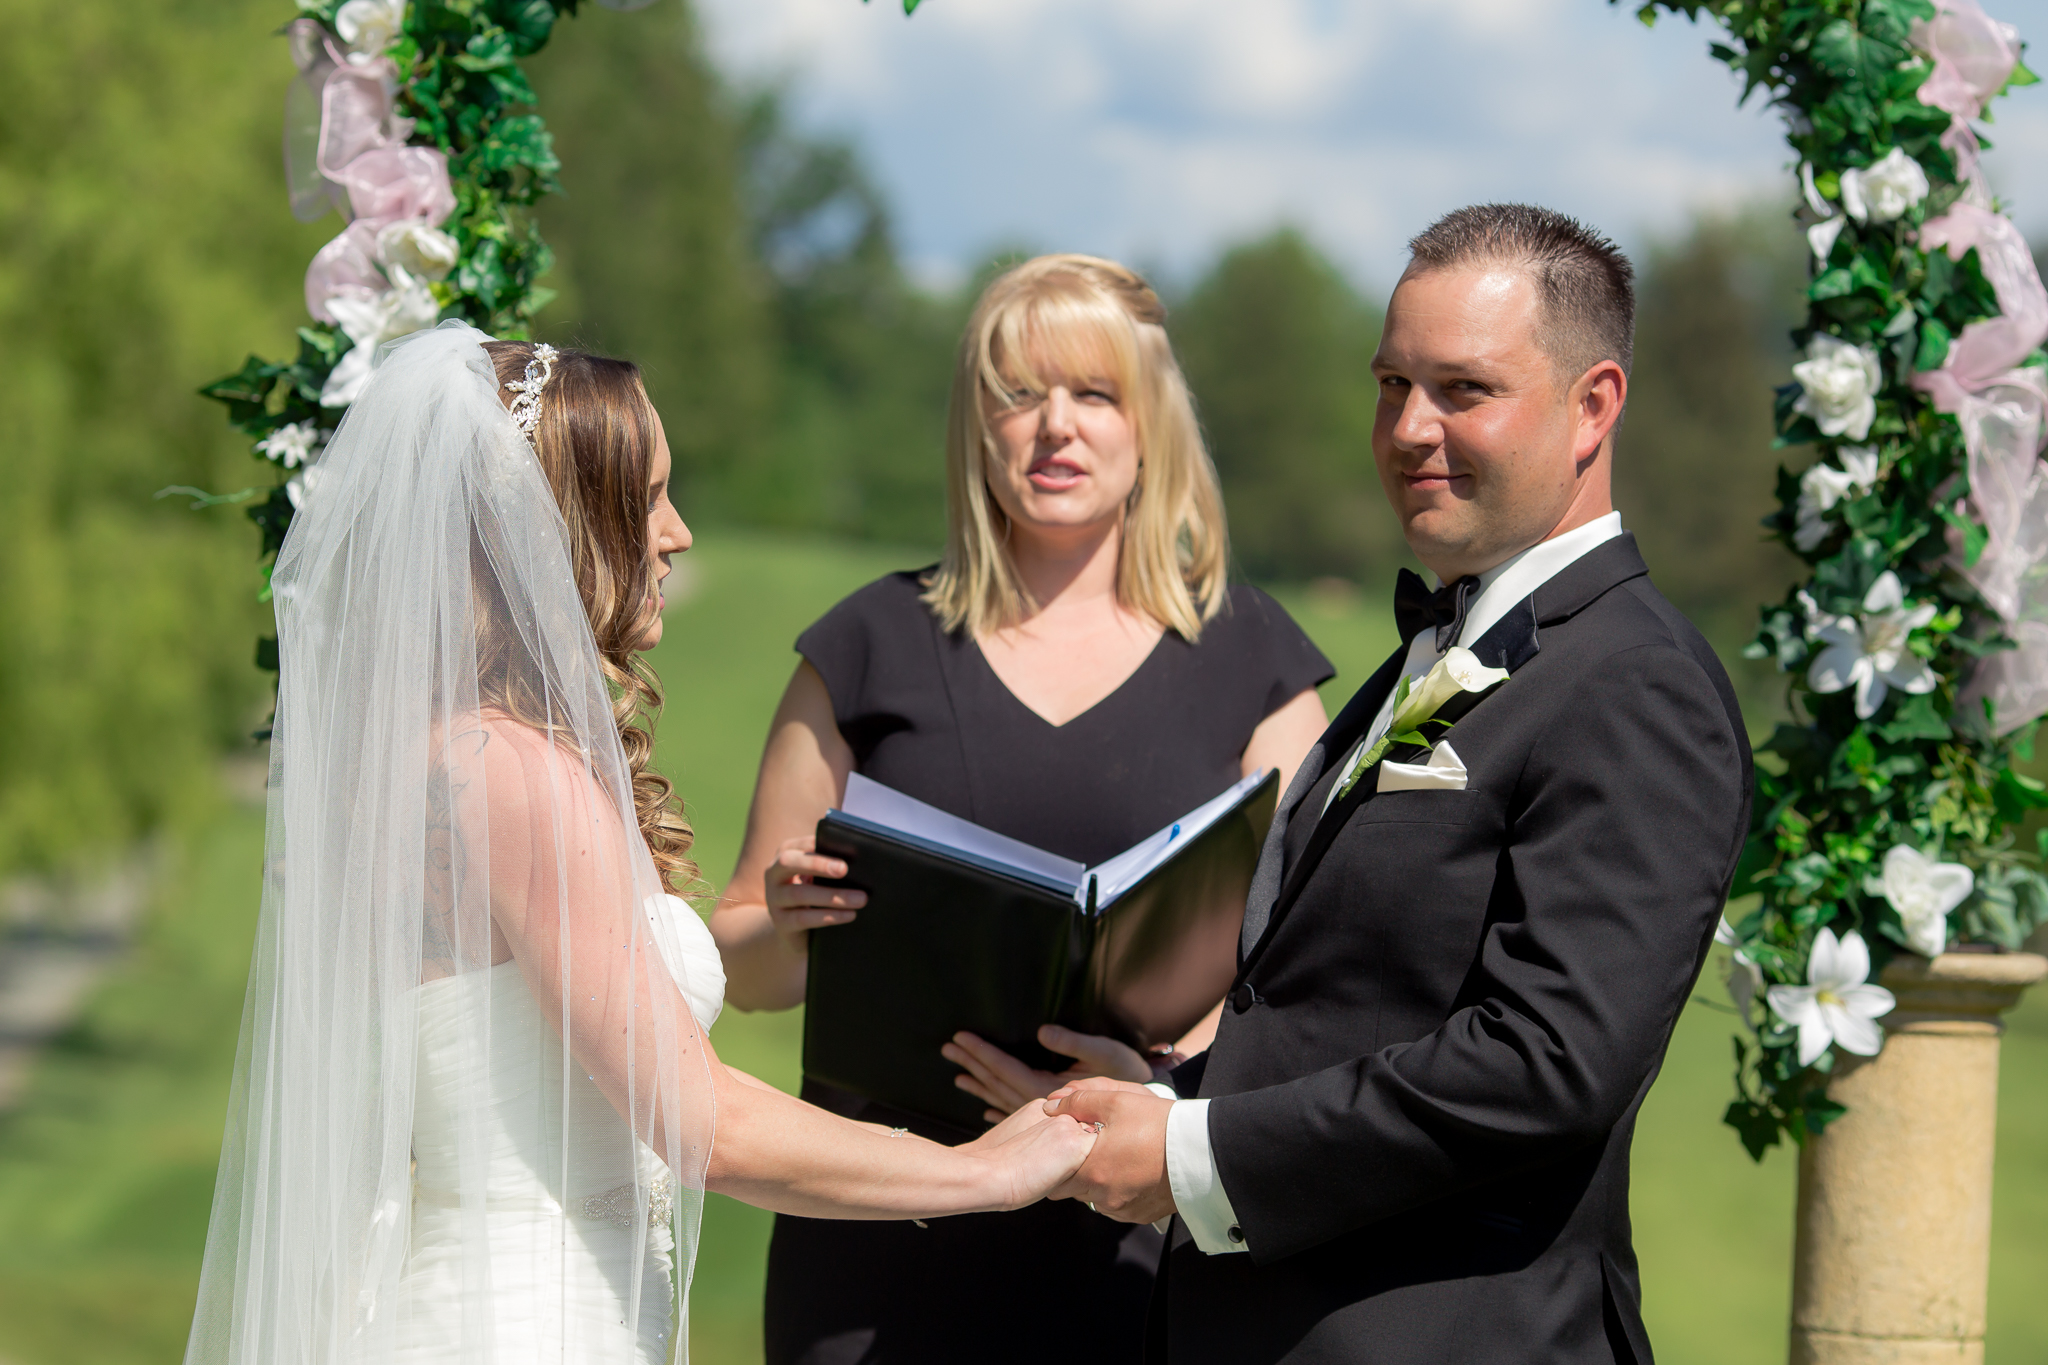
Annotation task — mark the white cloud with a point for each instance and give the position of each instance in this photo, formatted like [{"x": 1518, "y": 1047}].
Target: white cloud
[{"x": 1160, "y": 130}]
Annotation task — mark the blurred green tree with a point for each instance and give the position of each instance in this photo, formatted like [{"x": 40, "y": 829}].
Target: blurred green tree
[
  {"x": 1277, "y": 346},
  {"x": 654, "y": 256},
  {"x": 751, "y": 269},
  {"x": 1694, "y": 467},
  {"x": 865, "y": 355},
  {"x": 145, "y": 244}
]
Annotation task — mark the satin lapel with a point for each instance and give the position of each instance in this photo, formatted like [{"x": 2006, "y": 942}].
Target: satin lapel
[{"x": 1336, "y": 741}]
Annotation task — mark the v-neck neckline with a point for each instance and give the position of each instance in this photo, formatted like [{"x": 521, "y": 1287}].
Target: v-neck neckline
[{"x": 1085, "y": 712}]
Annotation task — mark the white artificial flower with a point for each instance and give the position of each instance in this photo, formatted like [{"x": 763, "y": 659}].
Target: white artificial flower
[
  {"x": 1822, "y": 486},
  {"x": 1836, "y": 1006},
  {"x": 294, "y": 444},
  {"x": 1821, "y": 237},
  {"x": 369, "y": 26},
  {"x": 1840, "y": 383},
  {"x": 300, "y": 485},
  {"x": 1923, "y": 891},
  {"x": 1868, "y": 650},
  {"x": 415, "y": 245},
  {"x": 1814, "y": 200},
  {"x": 399, "y": 311},
  {"x": 1745, "y": 979},
  {"x": 1884, "y": 190}
]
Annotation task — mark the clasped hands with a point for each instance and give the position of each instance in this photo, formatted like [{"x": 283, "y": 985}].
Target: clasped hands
[{"x": 1124, "y": 1175}]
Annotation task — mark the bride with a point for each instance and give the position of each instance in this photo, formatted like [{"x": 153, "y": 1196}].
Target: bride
[{"x": 476, "y": 1104}]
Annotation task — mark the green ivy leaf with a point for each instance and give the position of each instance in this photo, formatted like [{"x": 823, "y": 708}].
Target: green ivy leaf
[
  {"x": 486, "y": 52},
  {"x": 1820, "y": 1111},
  {"x": 1831, "y": 284},
  {"x": 1914, "y": 718},
  {"x": 2016, "y": 795},
  {"x": 1934, "y": 344},
  {"x": 1756, "y": 1125}
]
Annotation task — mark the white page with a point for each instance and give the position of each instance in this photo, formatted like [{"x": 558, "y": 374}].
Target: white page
[
  {"x": 871, "y": 800},
  {"x": 1128, "y": 868}
]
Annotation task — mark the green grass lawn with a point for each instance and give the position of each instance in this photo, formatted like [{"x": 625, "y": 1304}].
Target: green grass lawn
[{"x": 106, "y": 1171}]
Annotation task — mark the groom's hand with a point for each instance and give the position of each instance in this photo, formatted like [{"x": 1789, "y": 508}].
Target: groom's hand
[{"x": 1124, "y": 1176}]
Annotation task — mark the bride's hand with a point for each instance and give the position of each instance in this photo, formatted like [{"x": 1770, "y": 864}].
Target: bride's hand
[
  {"x": 796, "y": 903},
  {"x": 1006, "y": 1085},
  {"x": 1031, "y": 1154}
]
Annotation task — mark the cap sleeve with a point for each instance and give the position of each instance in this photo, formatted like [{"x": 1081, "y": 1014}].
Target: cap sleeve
[
  {"x": 872, "y": 630},
  {"x": 1281, "y": 650}
]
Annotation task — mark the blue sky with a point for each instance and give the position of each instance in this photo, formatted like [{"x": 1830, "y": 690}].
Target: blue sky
[{"x": 1160, "y": 131}]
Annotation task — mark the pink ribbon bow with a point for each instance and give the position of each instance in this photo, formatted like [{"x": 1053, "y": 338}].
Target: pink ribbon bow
[
  {"x": 345, "y": 146},
  {"x": 2003, "y": 411},
  {"x": 1974, "y": 56}
]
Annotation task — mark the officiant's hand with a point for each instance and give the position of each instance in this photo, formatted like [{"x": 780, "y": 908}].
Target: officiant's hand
[
  {"x": 796, "y": 903},
  {"x": 1124, "y": 1176},
  {"x": 1006, "y": 1085}
]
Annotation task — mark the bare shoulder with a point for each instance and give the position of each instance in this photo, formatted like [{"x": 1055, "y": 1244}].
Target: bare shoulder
[{"x": 520, "y": 770}]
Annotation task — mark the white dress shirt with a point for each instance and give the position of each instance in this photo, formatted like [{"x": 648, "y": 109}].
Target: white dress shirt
[{"x": 1191, "y": 1172}]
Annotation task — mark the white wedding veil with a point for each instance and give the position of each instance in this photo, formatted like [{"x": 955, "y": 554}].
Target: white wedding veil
[{"x": 445, "y": 764}]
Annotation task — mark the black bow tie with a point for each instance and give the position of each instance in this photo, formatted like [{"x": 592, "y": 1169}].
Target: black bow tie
[{"x": 1416, "y": 607}]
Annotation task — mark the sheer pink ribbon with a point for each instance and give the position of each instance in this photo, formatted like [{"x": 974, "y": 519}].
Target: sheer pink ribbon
[
  {"x": 1974, "y": 56},
  {"x": 2002, "y": 408},
  {"x": 345, "y": 145}
]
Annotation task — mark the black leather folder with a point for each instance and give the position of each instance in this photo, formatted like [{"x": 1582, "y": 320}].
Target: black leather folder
[{"x": 997, "y": 938}]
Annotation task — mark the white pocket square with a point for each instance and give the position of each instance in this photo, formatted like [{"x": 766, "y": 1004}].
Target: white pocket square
[{"x": 1444, "y": 771}]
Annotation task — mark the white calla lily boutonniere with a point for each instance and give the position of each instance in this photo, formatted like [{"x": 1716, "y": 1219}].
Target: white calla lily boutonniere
[{"x": 1457, "y": 682}]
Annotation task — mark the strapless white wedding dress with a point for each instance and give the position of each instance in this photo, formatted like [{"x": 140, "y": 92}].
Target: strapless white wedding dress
[{"x": 560, "y": 1269}]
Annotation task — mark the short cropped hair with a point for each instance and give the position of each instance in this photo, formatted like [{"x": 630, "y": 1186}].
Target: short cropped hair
[{"x": 1586, "y": 285}]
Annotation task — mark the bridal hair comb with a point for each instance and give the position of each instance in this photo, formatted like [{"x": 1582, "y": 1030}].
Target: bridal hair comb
[{"x": 540, "y": 369}]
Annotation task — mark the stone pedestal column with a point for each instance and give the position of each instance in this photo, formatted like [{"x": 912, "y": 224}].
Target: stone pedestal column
[{"x": 1894, "y": 1245}]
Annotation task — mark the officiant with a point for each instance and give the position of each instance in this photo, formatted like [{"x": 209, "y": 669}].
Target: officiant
[{"x": 1076, "y": 672}]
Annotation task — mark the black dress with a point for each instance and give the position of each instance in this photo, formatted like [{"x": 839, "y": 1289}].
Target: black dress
[{"x": 924, "y": 713}]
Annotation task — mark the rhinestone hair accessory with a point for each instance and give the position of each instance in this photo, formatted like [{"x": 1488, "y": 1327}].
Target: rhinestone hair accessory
[{"x": 540, "y": 369}]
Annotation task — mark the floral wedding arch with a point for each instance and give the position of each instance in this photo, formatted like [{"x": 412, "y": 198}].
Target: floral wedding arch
[
  {"x": 1888, "y": 810},
  {"x": 414, "y": 120}
]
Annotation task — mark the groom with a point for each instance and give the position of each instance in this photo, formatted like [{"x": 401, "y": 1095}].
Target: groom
[{"x": 1458, "y": 973}]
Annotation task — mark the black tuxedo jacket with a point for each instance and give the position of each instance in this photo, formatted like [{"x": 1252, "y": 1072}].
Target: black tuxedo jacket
[{"x": 1451, "y": 1004}]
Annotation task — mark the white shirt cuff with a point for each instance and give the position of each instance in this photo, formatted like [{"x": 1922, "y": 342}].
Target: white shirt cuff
[{"x": 1191, "y": 1174}]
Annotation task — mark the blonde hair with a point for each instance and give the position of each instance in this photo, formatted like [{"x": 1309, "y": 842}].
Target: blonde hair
[
  {"x": 1076, "y": 313},
  {"x": 596, "y": 441}
]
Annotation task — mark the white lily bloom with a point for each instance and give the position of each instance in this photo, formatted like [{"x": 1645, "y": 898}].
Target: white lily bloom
[
  {"x": 399, "y": 311},
  {"x": 1839, "y": 383},
  {"x": 1458, "y": 671},
  {"x": 293, "y": 444},
  {"x": 1883, "y": 191},
  {"x": 1924, "y": 891},
  {"x": 1822, "y": 486},
  {"x": 1836, "y": 1006},
  {"x": 1868, "y": 651},
  {"x": 369, "y": 27}
]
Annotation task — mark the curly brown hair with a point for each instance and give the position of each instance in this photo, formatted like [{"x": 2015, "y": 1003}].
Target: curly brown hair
[{"x": 596, "y": 439}]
